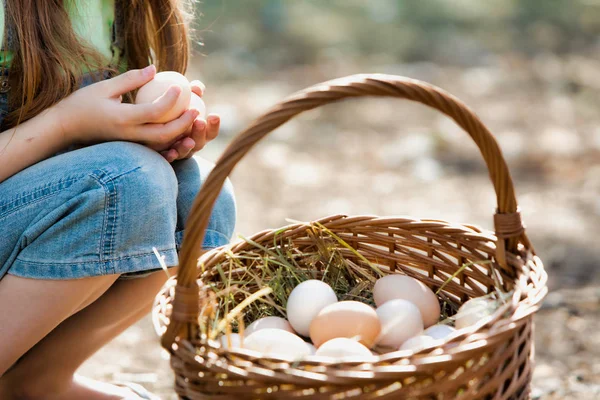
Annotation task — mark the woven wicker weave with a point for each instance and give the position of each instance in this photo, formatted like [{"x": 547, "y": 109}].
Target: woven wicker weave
[{"x": 491, "y": 360}]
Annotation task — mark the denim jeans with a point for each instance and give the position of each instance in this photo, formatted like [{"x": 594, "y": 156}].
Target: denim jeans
[{"x": 100, "y": 209}]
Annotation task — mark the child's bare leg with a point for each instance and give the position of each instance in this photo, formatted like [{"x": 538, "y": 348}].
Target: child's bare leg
[
  {"x": 48, "y": 368},
  {"x": 31, "y": 308}
]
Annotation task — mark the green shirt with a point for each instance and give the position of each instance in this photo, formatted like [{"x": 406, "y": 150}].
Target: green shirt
[{"x": 92, "y": 21}]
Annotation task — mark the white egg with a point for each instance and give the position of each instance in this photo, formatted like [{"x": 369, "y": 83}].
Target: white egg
[
  {"x": 306, "y": 301},
  {"x": 417, "y": 343},
  {"x": 277, "y": 343},
  {"x": 474, "y": 311},
  {"x": 312, "y": 347},
  {"x": 236, "y": 341},
  {"x": 404, "y": 287},
  {"x": 439, "y": 331},
  {"x": 158, "y": 86},
  {"x": 400, "y": 320},
  {"x": 268, "y": 323},
  {"x": 343, "y": 347},
  {"x": 196, "y": 103}
]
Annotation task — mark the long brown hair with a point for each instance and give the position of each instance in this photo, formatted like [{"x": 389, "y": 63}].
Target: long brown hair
[{"x": 49, "y": 58}]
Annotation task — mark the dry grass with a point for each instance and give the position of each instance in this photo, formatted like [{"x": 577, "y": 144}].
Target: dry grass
[{"x": 257, "y": 282}]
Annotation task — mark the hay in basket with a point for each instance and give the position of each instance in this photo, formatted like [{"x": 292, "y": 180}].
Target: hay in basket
[{"x": 226, "y": 288}]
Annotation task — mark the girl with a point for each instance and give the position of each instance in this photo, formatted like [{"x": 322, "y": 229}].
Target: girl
[{"x": 87, "y": 185}]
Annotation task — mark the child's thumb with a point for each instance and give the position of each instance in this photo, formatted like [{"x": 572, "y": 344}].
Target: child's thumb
[{"x": 130, "y": 80}]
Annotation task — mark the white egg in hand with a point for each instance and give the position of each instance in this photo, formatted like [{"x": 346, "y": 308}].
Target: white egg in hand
[
  {"x": 306, "y": 301},
  {"x": 277, "y": 343},
  {"x": 404, "y": 287},
  {"x": 268, "y": 323},
  {"x": 196, "y": 103},
  {"x": 400, "y": 320},
  {"x": 439, "y": 331},
  {"x": 158, "y": 86},
  {"x": 343, "y": 347}
]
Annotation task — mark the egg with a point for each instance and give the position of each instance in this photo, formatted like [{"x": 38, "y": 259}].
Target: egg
[
  {"x": 313, "y": 349},
  {"x": 268, "y": 323},
  {"x": 474, "y": 311},
  {"x": 349, "y": 319},
  {"x": 236, "y": 341},
  {"x": 406, "y": 288},
  {"x": 417, "y": 343},
  {"x": 196, "y": 103},
  {"x": 306, "y": 301},
  {"x": 158, "y": 86},
  {"x": 277, "y": 343},
  {"x": 343, "y": 347},
  {"x": 400, "y": 320},
  {"x": 439, "y": 331}
]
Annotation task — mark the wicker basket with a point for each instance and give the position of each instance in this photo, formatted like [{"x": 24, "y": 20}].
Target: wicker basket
[{"x": 491, "y": 360}]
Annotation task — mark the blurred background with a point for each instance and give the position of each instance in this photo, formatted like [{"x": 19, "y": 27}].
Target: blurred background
[{"x": 529, "y": 68}]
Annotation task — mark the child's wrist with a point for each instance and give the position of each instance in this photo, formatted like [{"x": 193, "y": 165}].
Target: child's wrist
[{"x": 65, "y": 125}]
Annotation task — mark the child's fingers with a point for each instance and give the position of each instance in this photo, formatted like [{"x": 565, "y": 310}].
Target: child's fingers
[
  {"x": 184, "y": 147},
  {"x": 146, "y": 112},
  {"x": 128, "y": 81},
  {"x": 163, "y": 135},
  {"x": 198, "y": 87},
  {"x": 199, "y": 134},
  {"x": 214, "y": 123},
  {"x": 169, "y": 155}
]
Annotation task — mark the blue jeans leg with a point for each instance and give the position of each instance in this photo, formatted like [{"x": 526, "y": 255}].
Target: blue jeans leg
[
  {"x": 191, "y": 173},
  {"x": 99, "y": 210}
]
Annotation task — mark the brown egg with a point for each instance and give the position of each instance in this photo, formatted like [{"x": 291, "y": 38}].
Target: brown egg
[
  {"x": 158, "y": 86},
  {"x": 349, "y": 319}
]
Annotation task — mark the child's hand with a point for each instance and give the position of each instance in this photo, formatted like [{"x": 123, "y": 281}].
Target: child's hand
[
  {"x": 197, "y": 136},
  {"x": 96, "y": 114}
]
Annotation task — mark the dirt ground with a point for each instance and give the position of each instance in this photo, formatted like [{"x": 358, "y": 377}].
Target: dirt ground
[{"x": 388, "y": 157}]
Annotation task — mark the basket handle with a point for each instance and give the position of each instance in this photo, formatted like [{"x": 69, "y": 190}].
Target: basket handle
[{"x": 509, "y": 228}]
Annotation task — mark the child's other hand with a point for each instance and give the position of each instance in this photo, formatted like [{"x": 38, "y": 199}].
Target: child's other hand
[
  {"x": 197, "y": 136},
  {"x": 96, "y": 114}
]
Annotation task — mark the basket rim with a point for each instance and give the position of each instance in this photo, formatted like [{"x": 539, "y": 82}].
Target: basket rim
[{"x": 208, "y": 258}]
